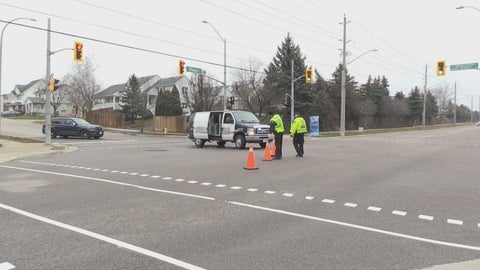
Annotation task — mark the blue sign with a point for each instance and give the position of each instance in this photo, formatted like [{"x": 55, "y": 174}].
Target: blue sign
[{"x": 314, "y": 125}]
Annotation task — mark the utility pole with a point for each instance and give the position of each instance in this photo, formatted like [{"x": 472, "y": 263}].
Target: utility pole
[
  {"x": 424, "y": 99},
  {"x": 292, "y": 99},
  {"x": 344, "y": 78},
  {"x": 48, "y": 122},
  {"x": 455, "y": 105}
]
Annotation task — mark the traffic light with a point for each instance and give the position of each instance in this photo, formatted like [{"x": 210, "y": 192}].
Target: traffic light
[
  {"x": 308, "y": 75},
  {"x": 287, "y": 100},
  {"x": 53, "y": 84},
  {"x": 78, "y": 51},
  {"x": 232, "y": 100},
  {"x": 181, "y": 67},
  {"x": 441, "y": 68}
]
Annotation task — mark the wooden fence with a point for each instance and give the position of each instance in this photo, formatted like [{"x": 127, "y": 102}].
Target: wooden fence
[
  {"x": 170, "y": 124},
  {"x": 106, "y": 117}
]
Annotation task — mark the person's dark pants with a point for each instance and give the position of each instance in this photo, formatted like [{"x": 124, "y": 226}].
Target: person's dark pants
[
  {"x": 278, "y": 145},
  {"x": 298, "y": 141}
]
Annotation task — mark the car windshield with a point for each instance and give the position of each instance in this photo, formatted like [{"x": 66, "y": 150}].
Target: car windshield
[
  {"x": 81, "y": 122},
  {"x": 246, "y": 117}
]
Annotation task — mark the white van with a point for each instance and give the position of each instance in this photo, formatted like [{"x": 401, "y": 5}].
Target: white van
[{"x": 239, "y": 127}]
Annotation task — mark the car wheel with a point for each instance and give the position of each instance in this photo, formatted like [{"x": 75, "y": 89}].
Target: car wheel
[
  {"x": 96, "y": 137},
  {"x": 221, "y": 143},
  {"x": 53, "y": 133},
  {"x": 263, "y": 145},
  {"x": 240, "y": 141},
  {"x": 65, "y": 136},
  {"x": 84, "y": 134}
]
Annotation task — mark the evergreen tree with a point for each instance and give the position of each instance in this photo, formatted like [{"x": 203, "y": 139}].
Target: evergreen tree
[
  {"x": 168, "y": 103},
  {"x": 415, "y": 105},
  {"x": 134, "y": 101},
  {"x": 278, "y": 78}
]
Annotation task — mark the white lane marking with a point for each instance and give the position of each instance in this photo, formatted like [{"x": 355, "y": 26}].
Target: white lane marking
[
  {"x": 205, "y": 184},
  {"x": 425, "y": 217},
  {"x": 114, "y": 171},
  {"x": 399, "y": 213},
  {"x": 155, "y": 176},
  {"x": 144, "y": 174},
  {"x": 220, "y": 185},
  {"x": 6, "y": 266},
  {"x": 374, "y": 208},
  {"x": 179, "y": 180},
  {"x": 287, "y": 194},
  {"x": 104, "y": 238},
  {"x": 309, "y": 198},
  {"x": 167, "y": 178},
  {"x": 236, "y": 187},
  {"x": 270, "y": 192},
  {"x": 122, "y": 172},
  {"x": 252, "y": 189},
  {"x": 105, "y": 170},
  {"x": 133, "y": 173},
  {"x": 455, "y": 221},
  {"x": 353, "y": 205},
  {"x": 328, "y": 201},
  {"x": 111, "y": 182},
  {"x": 192, "y": 181},
  {"x": 350, "y": 225}
]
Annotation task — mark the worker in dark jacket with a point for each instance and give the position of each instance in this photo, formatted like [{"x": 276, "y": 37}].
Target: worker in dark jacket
[
  {"x": 276, "y": 127},
  {"x": 297, "y": 131}
]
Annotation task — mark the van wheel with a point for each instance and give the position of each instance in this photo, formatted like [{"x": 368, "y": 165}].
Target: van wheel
[
  {"x": 240, "y": 141},
  {"x": 263, "y": 145},
  {"x": 199, "y": 142},
  {"x": 221, "y": 143}
]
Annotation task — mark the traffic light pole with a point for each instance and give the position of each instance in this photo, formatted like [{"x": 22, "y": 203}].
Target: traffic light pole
[
  {"x": 48, "y": 122},
  {"x": 292, "y": 93}
]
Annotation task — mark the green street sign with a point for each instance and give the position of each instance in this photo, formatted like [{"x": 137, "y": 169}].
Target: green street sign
[
  {"x": 464, "y": 66},
  {"x": 194, "y": 69}
]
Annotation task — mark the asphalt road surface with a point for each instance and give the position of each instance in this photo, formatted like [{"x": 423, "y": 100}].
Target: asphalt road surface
[{"x": 390, "y": 201}]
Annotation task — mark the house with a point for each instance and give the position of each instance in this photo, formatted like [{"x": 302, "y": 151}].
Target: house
[
  {"x": 111, "y": 96},
  {"x": 29, "y": 98}
]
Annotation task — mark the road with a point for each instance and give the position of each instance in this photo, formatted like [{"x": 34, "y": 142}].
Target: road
[{"x": 388, "y": 201}]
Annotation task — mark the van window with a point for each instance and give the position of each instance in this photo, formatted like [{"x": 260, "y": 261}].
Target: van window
[{"x": 228, "y": 119}]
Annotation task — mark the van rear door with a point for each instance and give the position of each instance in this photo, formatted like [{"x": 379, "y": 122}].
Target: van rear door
[
  {"x": 200, "y": 125},
  {"x": 228, "y": 126}
]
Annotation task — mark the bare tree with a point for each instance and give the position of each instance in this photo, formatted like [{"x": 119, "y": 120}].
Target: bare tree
[
  {"x": 59, "y": 97},
  {"x": 203, "y": 95},
  {"x": 82, "y": 84},
  {"x": 248, "y": 86},
  {"x": 443, "y": 97}
]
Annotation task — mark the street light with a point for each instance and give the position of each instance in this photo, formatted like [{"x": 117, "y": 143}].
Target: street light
[
  {"x": 224, "y": 65},
  {"x": 344, "y": 79},
  {"x": 1, "y": 42},
  {"x": 462, "y": 7}
]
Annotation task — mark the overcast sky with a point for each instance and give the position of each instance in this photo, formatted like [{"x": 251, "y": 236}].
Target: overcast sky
[{"x": 408, "y": 35}]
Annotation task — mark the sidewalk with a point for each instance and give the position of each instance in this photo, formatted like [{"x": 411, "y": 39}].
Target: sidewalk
[{"x": 11, "y": 150}]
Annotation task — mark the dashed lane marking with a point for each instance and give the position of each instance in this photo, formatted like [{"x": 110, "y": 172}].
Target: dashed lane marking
[
  {"x": 272, "y": 210},
  {"x": 399, "y": 213},
  {"x": 271, "y": 192}
]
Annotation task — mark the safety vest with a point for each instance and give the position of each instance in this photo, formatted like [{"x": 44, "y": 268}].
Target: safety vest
[
  {"x": 299, "y": 126},
  {"x": 277, "y": 120}
]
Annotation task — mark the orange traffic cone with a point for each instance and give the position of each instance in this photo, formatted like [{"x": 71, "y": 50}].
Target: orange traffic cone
[
  {"x": 250, "y": 160},
  {"x": 274, "y": 149},
  {"x": 267, "y": 156}
]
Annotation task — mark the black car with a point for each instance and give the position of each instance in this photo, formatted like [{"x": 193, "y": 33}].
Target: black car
[{"x": 72, "y": 126}]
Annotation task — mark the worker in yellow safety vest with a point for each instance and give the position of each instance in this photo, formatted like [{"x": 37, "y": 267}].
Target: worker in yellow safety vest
[
  {"x": 276, "y": 127},
  {"x": 297, "y": 131}
]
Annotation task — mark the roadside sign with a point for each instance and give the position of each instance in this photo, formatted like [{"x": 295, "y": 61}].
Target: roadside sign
[
  {"x": 194, "y": 69},
  {"x": 464, "y": 66}
]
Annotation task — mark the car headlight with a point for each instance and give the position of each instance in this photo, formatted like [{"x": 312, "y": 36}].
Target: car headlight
[{"x": 250, "y": 131}]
